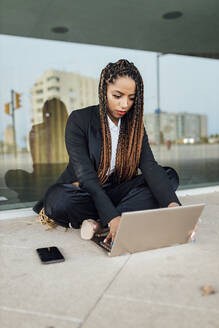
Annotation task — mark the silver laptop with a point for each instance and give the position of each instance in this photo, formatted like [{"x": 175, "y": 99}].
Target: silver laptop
[{"x": 150, "y": 229}]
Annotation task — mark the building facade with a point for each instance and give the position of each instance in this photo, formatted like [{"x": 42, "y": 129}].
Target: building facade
[
  {"x": 75, "y": 90},
  {"x": 175, "y": 127}
]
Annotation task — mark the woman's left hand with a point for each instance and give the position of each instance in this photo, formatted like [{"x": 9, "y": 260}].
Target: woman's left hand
[{"x": 173, "y": 204}]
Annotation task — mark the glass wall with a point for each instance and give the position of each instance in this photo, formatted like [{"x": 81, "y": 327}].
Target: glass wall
[{"x": 43, "y": 81}]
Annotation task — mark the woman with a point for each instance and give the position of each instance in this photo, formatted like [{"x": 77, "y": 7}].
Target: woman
[{"x": 107, "y": 144}]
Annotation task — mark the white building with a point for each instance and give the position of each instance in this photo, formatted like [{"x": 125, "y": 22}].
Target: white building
[
  {"x": 76, "y": 91},
  {"x": 204, "y": 125},
  {"x": 168, "y": 126},
  {"x": 191, "y": 125},
  {"x": 8, "y": 139},
  {"x": 176, "y": 126}
]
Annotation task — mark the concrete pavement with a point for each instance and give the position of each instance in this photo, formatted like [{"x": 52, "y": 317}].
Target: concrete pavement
[{"x": 158, "y": 288}]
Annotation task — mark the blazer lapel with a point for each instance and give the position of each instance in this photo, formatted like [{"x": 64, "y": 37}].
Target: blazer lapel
[{"x": 95, "y": 137}]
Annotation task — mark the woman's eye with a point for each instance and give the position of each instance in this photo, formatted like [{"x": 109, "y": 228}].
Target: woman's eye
[{"x": 120, "y": 97}]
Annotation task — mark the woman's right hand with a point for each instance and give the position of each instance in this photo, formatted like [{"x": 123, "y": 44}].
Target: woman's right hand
[
  {"x": 192, "y": 234},
  {"x": 113, "y": 224},
  {"x": 76, "y": 183}
]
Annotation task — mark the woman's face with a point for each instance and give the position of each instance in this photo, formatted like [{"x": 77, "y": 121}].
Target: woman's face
[{"x": 120, "y": 97}]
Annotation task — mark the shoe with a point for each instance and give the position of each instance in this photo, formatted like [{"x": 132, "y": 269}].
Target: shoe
[
  {"x": 89, "y": 228},
  {"x": 44, "y": 219}
]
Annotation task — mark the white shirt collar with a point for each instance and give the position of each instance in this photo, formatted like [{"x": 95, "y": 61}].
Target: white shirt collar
[{"x": 112, "y": 125}]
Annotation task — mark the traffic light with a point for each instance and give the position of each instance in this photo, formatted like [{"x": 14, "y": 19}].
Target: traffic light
[
  {"x": 7, "y": 109},
  {"x": 17, "y": 100}
]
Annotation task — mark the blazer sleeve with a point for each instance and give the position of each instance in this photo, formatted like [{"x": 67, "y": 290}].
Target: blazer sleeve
[
  {"x": 155, "y": 176},
  {"x": 79, "y": 161}
]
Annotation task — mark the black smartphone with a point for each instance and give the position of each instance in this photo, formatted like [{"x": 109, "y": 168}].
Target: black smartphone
[{"x": 50, "y": 255}]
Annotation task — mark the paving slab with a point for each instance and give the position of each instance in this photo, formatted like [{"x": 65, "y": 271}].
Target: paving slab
[
  {"x": 208, "y": 198},
  {"x": 156, "y": 288},
  {"x": 128, "y": 313},
  {"x": 162, "y": 288},
  {"x": 67, "y": 290}
]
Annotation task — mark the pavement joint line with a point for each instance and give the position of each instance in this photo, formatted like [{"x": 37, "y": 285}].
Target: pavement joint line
[
  {"x": 138, "y": 300},
  {"x": 102, "y": 294},
  {"x": 40, "y": 314}
]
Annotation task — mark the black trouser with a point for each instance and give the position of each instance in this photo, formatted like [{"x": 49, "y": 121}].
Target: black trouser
[{"x": 66, "y": 203}]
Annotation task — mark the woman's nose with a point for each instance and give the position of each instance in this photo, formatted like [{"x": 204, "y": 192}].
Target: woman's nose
[{"x": 124, "y": 103}]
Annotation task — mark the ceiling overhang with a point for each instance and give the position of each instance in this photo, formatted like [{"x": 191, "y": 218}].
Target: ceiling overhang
[{"x": 133, "y": 24}]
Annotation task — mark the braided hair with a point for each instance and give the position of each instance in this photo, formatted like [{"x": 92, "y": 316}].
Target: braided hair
[{"x": 131, "y": 127}]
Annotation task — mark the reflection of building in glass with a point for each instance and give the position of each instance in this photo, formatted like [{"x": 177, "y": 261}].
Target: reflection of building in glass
[
  {"x": 8, "y": 139},
  {"x": 191, "y": 125},
  {"x": 76, "y": 91},
  {"x": 176, "y": 126},
  {"x": 204, "y": 126}
]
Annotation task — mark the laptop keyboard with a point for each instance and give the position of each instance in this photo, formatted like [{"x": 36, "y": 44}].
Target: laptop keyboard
[
  {"x": 105, "y": 246},
  {"x": 98, "y": 238}
]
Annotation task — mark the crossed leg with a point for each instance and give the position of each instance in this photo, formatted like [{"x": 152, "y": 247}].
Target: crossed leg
[{"x": 65, "y": 203}]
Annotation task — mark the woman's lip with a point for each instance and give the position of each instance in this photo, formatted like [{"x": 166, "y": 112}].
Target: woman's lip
[{"x": 121, "y": 112}]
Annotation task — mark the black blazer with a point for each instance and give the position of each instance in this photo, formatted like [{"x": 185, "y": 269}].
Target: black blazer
[{"x": 83, "y": 141}]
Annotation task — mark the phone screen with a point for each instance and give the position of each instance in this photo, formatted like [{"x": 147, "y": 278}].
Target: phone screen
[{"x": 50, "y": 255}]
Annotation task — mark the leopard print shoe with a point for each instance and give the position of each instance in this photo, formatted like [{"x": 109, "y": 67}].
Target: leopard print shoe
[{"x": 45, "y": 220}]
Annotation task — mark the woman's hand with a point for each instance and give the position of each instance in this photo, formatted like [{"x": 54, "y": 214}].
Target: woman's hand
[
  {"x": 192, "y": 234},
  {"x": 173, "y": 204},
  {"x": 113, "y": 224},
  {"x": 76, "y": 183}
]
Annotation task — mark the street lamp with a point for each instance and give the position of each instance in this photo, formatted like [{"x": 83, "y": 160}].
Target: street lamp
[{"x": 158, "y": 110}]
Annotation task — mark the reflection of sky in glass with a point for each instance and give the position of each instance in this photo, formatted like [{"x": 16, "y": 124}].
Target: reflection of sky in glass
[{"x": 186, "y": 83}]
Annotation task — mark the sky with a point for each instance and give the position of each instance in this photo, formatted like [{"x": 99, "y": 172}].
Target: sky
[{"x": 187, "y": 84}]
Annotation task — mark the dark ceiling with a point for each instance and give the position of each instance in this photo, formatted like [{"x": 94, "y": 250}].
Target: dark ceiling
[{"x": 134, "y": 24}]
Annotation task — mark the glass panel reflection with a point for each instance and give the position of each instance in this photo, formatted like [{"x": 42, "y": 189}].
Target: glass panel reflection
[{"x": 40, "y": 88}]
